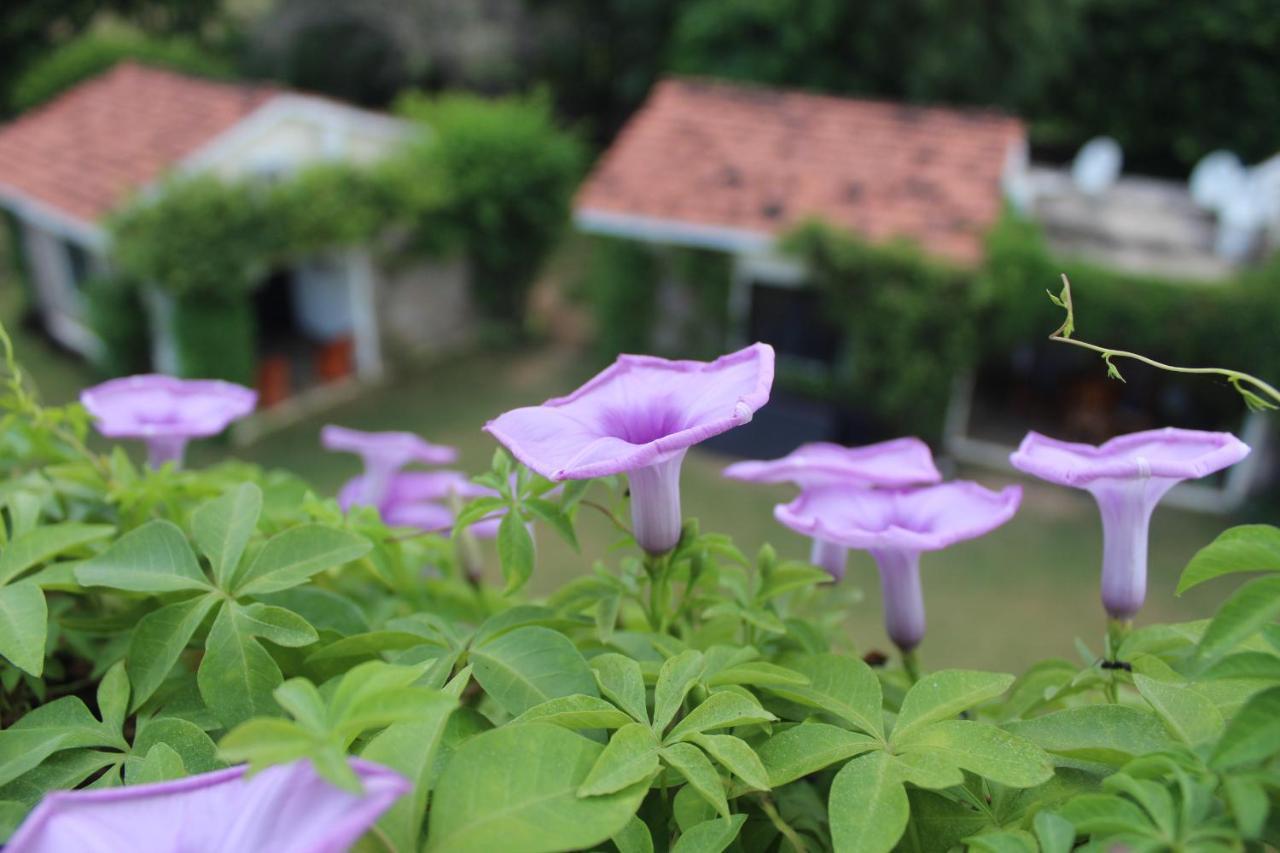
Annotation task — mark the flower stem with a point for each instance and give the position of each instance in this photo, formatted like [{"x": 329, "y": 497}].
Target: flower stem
[
  {"x": 779, "y": 823},
  {"x": 658, "y": 568},
  {"x": 911, "y": 664}
]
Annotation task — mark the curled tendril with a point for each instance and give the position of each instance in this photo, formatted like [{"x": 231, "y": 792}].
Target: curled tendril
[{"x": 1259, "y": 396}]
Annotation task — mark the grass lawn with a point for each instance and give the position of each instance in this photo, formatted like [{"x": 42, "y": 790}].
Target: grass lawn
[{"x": 999, "y": 602}]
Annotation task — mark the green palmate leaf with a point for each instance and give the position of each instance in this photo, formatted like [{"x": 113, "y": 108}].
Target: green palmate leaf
[
  {"x": 635, "y": 836},
  {"x": 939, "y": 823},
  {"x": 515, "y": 551},
  {"x": 376, "y": 694},
  {"x": 515, "y": 789},
  {"x": 676, "y": 678},
  {"x": 721, "y": 710},
  {"x": 236, "y": 676},
  {"x": 1247, "y": 548},
  {"x": 410, "y": 747},
  {"x": 576, "y": 712},
  {"x": 1105, "y": 814},
  {"x": 158, "y": 641},
  {"x": 280, "y": 626},
  {"x": 325, "y": 610},
  {"x": 711, "y": 836},
  {"x": 1189, "y": 716},
  {"x": 528, "y": 666},
  {"x": 630, "y": 758},
  {"x": 982, "y": 749},
  {"x": 1104, "y": 734},
  {"x": 24, "y": 625},
  {"x": 809, "y": 747},
  {"x": 942, "y": 695},
  {"x": 154, "y": 558},
  {"x": 61, "y": 724},
  {"x": 1054, "y": 832},
  {"x": 843, "y": 687},
  {"x": 926, "y": 769},
  {"x": 1005, "y": 841},
  {"x": 868, "y": 805},
  {"x": 1246, "y": 612},
  {"x": 222, "y": 528},
  {"x": 38, "y": 545},
  {"x": 302, "y": 701},
  {"x": 1253, "y": 735},
  {"x": 621, "y": 680},
  {"x": 736, "y": 756},
  {"x": 291, "y": 557},
  {"x": 697, "y": 770}
]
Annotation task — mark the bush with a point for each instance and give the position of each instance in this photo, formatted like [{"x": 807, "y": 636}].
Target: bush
[
  {"x": 215, "y": 336},
  {"x": 162, "y": 624},
  {"x": 621, "y": 284},
  {"x": 507, "y": 174},
  {"x": 117, "y": 316},
  {"x": 90, "y": 55}
]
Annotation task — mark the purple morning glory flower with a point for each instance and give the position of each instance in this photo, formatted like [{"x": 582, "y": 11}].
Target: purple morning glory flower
[
  {"x": 638, "y": 417},
  {"x": 895, "y": 526},
  {"x": 166, "y": 412},
  {"x": 1127, "y": 476},
  {"x": 895, "y": 463},
  {"x": 425, "y": 500},
  {"x": 288, "y": 809},
  {"x": 383, "y": 454}
]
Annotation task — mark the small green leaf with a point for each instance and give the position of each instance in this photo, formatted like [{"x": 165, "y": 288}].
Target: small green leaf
[
  {"x": 515, "y": 552},
  {"x": 841, "y": 686},
  {"x": 1191, "y": 718},
  {"x": 280, "y": 626},
  {"x": 736, "y": 756},
  {"x": 711, "y": 836},
  {"x": 24, "y": 625},
  {"x": 61, "y": 724},
  {"x": 222, "y": 528},
  {"x": 526, "y": 667},
  {"x": 160, "y": 764},
  {"x": 265, "y": 741},
  {"x": 721, "y": 710},
  {"x": 1246, "y": 548},
  {"x": 552, "y": 514},
  {"x": 942, "y": 695},
  {"x": 290, "y": 558},
  {"x": 1249, "y": 805},
  {"x": 1105, "y": 734},
  {"x": 1154, "y": 798},
  {"x": 1105, "y": 814},
  {"x": 1246, "y": 612},
  {"x": 576, "y": 712},
  {"x": 983, "y": 749},
  {"x": 635, "y": 837},
  {"x": 159, "y": 640},
  {"x": 1004, "y": 841},
  {"x": 807, "y": 748},
  {"x": 113, "y": 697},
  {"x": 622, "y": 682},
  {"x": 630, "y": 758},
  {"x": 697, "y": 770},
  {"x": 515, "y": 788},
  {"x": 154, "y": 558},
  {"x": 676, "y": 678},
  {"x": 199, "y": 755},
  {"x": 1054, "y": 832},
  {"x": 43, "y": 543},
  {"x": 236, "y": 676},
  {"x": 926, "y": 769},
  {"x": 868, "y": 805},
  {"x": 1253, "y": 734}
]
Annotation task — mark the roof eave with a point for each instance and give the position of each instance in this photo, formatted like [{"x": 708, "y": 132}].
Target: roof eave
[
  {"x": 650, "y": 229},
  {"x": 59, "y": 222}
]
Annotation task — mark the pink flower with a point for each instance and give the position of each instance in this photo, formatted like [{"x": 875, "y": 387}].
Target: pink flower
[
  {"x": 895, "y": 463},
  {"x": 1128, "y": 476},
  {"x": 639, "y": 417},
  {"x": 383, "y": 454},
  {"x": 166, "y": 412},
  {"x": 895, "y": 526},
  {"x": 285, "y": 809}
]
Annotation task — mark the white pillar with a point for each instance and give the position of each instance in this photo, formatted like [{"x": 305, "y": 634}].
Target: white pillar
[{"x": 362, "y": 288}]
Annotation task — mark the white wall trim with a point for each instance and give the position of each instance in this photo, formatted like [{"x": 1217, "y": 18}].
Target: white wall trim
[
  {"x": 651, "y": 229},
  {"x": 49, "y": 218}
]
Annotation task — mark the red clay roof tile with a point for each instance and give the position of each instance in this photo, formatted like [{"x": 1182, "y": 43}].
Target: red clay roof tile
[
  {"x": 724, "y": 155},
  {"x": 85, "y": 151}
]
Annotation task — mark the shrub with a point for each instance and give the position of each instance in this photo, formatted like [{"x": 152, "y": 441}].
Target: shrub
[
  {"x": 92, "y": 54},
  {"x": 119, "y": 319},
  {"x": 507, "y": 174},
  {"x": 215, "y": 336},
  {"x": 621, "y": 283}
]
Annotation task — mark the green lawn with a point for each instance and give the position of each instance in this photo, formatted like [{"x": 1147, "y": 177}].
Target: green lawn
[{"x": 1003, "y": 601}]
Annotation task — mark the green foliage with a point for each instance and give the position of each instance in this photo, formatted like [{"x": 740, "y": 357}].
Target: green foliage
[
  {"x": 92, "y": 54},
  {"x": 507, "y": 173},
  {"x": 119, "y": 319},
  {"x": 621, "y": 285},
  {"x": 910, "y": 324},
  {"x": 215, "y": 336},
  {"x": 156, "y": 624}
]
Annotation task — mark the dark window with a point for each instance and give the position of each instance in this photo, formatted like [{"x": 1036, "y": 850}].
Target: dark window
[
  {"x": 79, "y": 264},
  {"x": 792, "y": 320}
]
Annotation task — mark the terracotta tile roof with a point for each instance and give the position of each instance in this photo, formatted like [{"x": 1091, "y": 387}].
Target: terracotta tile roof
[
  {"x": 85, "y": 151},
  {"x": 714, "y": 154}
]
